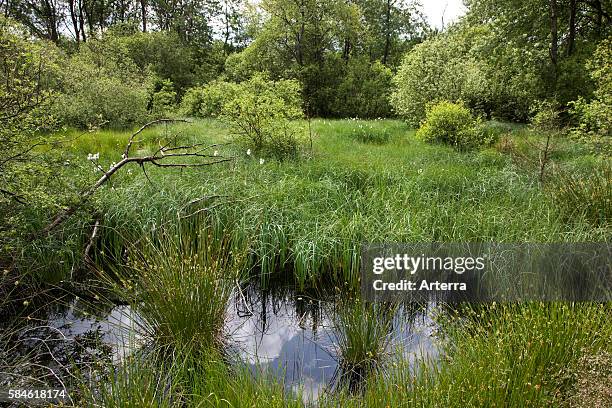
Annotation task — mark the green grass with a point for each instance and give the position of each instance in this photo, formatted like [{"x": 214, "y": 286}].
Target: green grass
[
  {"x": 504, "y": 356},
  {"x": 306, "y": 219},
  {"x": 311, "y": 215},
  {"x": 363, "y": 335},
  {"x": 495, "y": 356},
  {"x": 179, "y": 283}
]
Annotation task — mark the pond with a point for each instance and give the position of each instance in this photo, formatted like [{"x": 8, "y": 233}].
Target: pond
[{"x": 288, "y": 334}]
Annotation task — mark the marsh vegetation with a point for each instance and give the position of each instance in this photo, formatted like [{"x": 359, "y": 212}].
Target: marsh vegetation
[{"x": 184, "y": 206}]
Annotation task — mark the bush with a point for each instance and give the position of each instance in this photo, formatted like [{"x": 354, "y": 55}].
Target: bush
[
  {"x": 364, "y": 91},
  {"x": 163, "y": 101},
  {"x": 595, "y": 117},
  {"x": 437, "y": 69},
  {"x": 459, "y": 65},
  {"x": 453, "y": 124},
  {"x": 261, "y": 113},
  {"x": 29, "y": 182},
  {"x": 207, "y": 101},
  {"x": 102, "y": 85},
  {"x": 546, "y": 117}
]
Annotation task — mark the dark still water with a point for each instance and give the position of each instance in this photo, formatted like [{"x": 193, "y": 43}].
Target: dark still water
[
  {"x": 294, "y": 336},
  {"x": 291, "y": 335}
]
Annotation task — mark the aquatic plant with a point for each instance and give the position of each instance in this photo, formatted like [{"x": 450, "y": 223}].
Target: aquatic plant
[
  {"x": 362, "y": 337},
  {"x": 180, "y": 286}
]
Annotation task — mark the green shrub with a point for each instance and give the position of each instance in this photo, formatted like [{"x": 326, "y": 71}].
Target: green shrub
[
  {"x": 458, "y": 65},
  {"x": 163, "y": 101},
  {"x": 103, "y": 85},
  {"x": 595, "y": 117},
  {"x": 452, "y": 124},
  {"x": 262, "y": 114},
  {"x": 545, "y": 116},
  {"x": 364, "y": 91},
  {"x": 439, "y": 69},
  {"x": 207, "y": 101},
  {"x": 29, "y": 182}
]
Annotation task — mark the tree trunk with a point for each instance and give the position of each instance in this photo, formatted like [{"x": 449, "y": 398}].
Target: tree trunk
[
  {"x": 571, "y": 39},
  {"x": 51, "y": 20},
  {"x": 554, "y": 38},
  {"x": 387, "y": 33},
  {"x": 346, "y": 49},
  {"x": 599, "y": 20},
  {"x": 82, "y": 21},
  {"x": 75, "y": 22},
  {"x": 143, "y": 11}
]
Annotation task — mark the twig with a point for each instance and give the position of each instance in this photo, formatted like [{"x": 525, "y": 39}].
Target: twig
[
  {"x": 156, "y": 159},
  {"x": 126, "y": 152},
  {"x": 92, "y": 238},
  {"x": 14, "y": 196}
]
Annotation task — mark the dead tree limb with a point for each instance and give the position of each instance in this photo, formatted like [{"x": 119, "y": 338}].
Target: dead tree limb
[{"x": 160, "y": 158}]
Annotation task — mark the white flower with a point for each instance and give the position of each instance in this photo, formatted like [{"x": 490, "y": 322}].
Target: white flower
[
  {"x": 123, "y": 156},
  {"x": 89, "y": 156},
  {"x": 216, "y": 153},
  {"x": 420, "y": 171},
  {"x": 261, "y": 161},
  {"x": 113, "y": 164},
  {"x": 248, "y": 152}
]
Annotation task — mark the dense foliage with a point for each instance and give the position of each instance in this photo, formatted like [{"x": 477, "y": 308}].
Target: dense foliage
[
  {"x": 262, "y": 114},
  {"x": 594, "y": 117},
  {"x": 453, "y": 124},
  {"x": 101, "y": 84},
  {"x": 28, "y": 75},
  {"x": 207, "y": 101}
]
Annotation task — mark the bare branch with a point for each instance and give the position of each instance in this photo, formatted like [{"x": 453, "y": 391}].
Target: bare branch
[
  {"x": 157, "y": 159},
  {"x": 14, "y": 196},
  {"x": 126, "y": 152}
]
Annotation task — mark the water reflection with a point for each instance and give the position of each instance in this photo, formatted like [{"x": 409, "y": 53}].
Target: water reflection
[
  {"x": 293, "y": 336},
  {"x": 117, "y": 327},
  {"x": 280, "y": 331}
]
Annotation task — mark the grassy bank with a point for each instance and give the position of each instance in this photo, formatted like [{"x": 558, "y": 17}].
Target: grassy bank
[
  {"x": 186, "y": 236},
  {"x": 310, "y": 215}
]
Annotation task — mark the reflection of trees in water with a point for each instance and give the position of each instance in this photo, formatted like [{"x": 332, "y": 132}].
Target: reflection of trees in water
[
  {"x": 49, "y": 347},
  {"x": 312, "y": 308},
  {"x": 305, "y": 306}
]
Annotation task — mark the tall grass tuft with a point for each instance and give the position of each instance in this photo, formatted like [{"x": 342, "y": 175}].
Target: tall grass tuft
[
  {"x": 137, "y": 381},
  {"x": 363, "y": 334},
  {"x": 180, "y": 283},
  {"x": 589, "y": 197}
]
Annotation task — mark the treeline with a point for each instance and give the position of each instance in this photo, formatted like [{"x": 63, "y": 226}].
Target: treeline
[
  {"x": 506, "y": 54},
  {"x": 342, "y": 52},
  {"x": 119, "y": 62}
]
